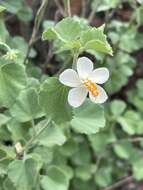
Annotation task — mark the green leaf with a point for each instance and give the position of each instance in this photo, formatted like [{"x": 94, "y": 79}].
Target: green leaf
[
  {"x": 56, "y": 179},
  {"x": 23, "y": 173},
  {"x": 9, "y": 152},
  {"x": 97, "y": 46},
  {"x": 8, "y": 184},
  {"x": 94, "y": 40},
  {"x": 2, "y": 8},
  {"x": 48, "y": 24},
  {"x": 12, "y": 81},
  {"x": 69, "y": 148},
  {"x": 4, "y": 133},
  {"x": 67, "y": 29},
  {"x": 138, "y": 169},
  {"x": 25, "y": 14},
  {"x": 49, "y": 34},
  {"x": 131, "y": 122},
  {"x": 3, "y": 168},
  {"x": 3, "y": 31},
  {"x": 45, "y": 153},
  {"x": 104, "y": 5},
  {"x": 3, "y": 119},
  {"x": 79, "y": 157},
  {"x": 18, "y": 131},
  {"x": 84, "y": 172},
  {"x": 17, "y": 42},
  {"x": 88, "y": 119},
  {"x": 26, "y": 107},
  {"x": 103, "y": 176},
  {"x": 100, "y": 140},
  {"x": 117, "y": 107},
  {"x": 70, "y": 32},
  {"x": 51, "y": 136},
  {"x": 70, "y": 45},
  {"x": 53, "y": 100},
  {"x": 124, "y": 150},
  {"x": 12, "y": 6}
]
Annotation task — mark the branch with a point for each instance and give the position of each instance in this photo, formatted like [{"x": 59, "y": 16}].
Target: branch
[
  {"x": 132, "y": 140},
  {"x": 68, "y": 8},
  {"x": 84, "y": 6},
  {"x": 120, "y": 183},
  {"x": 37, "y": 22},
  {"x": 30, "y": 142},
  {"x": 60, "y": 7}
]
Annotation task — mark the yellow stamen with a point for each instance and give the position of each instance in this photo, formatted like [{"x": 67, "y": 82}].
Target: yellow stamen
[{"x": 91, "y": 87}]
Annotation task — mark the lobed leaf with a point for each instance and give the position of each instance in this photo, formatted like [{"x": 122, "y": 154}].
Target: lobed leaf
[
  {"x": 27, "y": 106},
  {"x": 53, "y": 100},
  {"x": 12, "y": 81},
  {"x": 88, "y": 119}
]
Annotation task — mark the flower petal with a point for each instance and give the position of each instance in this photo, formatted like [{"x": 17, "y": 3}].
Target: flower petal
[
  {"x": 100, "y": 75},
  {"x": 101, "y": 98},
  {"x": 69, "y": 78},
  {"x": 77, "y": 96},
  {"x": 84, "y": 67}
]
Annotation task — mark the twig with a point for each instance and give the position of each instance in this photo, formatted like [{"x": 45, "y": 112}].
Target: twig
[
  {"x": 83, "y": 12},
  {"x": 76, "y": 54},
  {"x": 37, "y": 22},
  {"x": 5, "y": 158},
  {"x": 35, "y": 136},
  {"x": 91, "y": 16},
  {"x": 98, "y": 164},
  {"x": 68, "y": 8},
  {"x": 33, "y": 127},
  {"x": 120, "y": 183},
  {"x": 60, "y": 7},
  {"x": 133, "y": 140}
]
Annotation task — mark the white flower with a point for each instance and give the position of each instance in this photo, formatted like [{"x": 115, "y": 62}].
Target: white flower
[{"x": 85, "y": 81}]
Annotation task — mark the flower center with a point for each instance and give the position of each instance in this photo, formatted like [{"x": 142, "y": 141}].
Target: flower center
[{"x": 91, "y": 87}]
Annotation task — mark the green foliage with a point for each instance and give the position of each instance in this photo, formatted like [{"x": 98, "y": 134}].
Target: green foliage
[
  {"x": 104, "y": 5},
  {"x": 93, "y": 40},
  {"x": 19, "y": 8},
  {"x": 12, "y": 81},
  {"x": 56, "y": 179},
  {"x": 2, "y": 8},
  {"x": 45, "y": 144},
  {"x": 117, "y": 107},
  {"x": 23, "y": 173},
  {"x": 69, "y": 31},
  {"x": 88, "y": 119},
  {"x": 53, "y": 100},
  {"x": 53, "y": 135},
  {"x": 26, "y": 107}
]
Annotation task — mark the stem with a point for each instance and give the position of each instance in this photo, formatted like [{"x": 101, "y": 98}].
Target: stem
[
  {"x": 57, "y": 2},
  {"x": 33, "y": 127},
  {"x": 5, "y": 158},
  {"x": 119, "y": 183},
  {"x": 132, "y": 140},
  {"x": 68, "y": 8},
  {"x": 75, "y": 60},
  {"x": 84, "y": 4},
  {"x": 37, "y": 22},
  {"x": 6, "y": 46},
  {"x": 35, "y": 136},
  {"x": 64, "y": 66},
  {"x": 91, "y": 16}
]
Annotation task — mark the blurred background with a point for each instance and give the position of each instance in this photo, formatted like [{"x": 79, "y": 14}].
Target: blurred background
[{"x": 113, "y": 158}]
